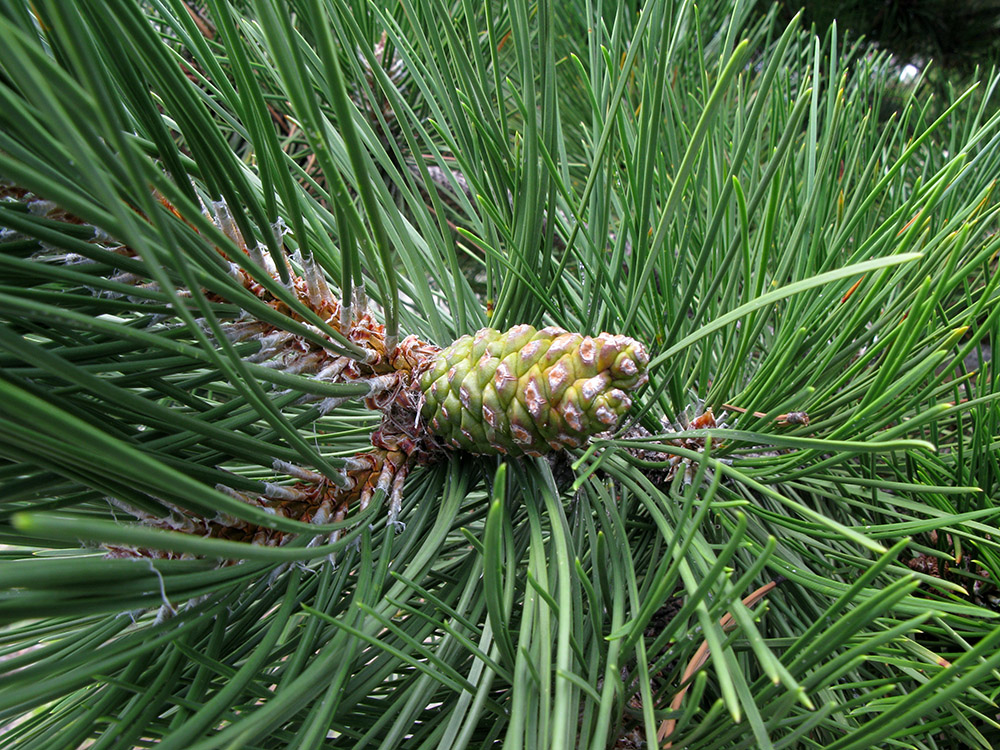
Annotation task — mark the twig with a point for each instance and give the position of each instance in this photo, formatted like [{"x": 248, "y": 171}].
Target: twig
[{"x": 701, "y": 656}]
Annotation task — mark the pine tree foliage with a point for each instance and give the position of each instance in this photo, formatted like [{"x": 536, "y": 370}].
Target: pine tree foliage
[{"x": 789, "y": 541}]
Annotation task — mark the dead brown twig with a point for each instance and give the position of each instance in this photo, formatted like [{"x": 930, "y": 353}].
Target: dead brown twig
[
  {"x": 699, "y": 659},
  {"x": 798, "y": 418}
]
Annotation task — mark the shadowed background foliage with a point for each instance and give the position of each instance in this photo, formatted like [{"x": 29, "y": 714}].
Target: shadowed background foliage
[{"x": 958, "y": 35}]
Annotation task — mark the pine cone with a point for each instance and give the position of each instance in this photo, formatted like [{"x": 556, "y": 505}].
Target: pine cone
[{"x": 527, "y": 391}]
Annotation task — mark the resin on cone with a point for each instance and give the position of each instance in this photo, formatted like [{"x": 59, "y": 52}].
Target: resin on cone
[{"x": 526, "y": 391}]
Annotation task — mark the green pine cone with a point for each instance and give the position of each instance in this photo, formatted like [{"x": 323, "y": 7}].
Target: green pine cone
[{"x": 528, "y": 391}]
